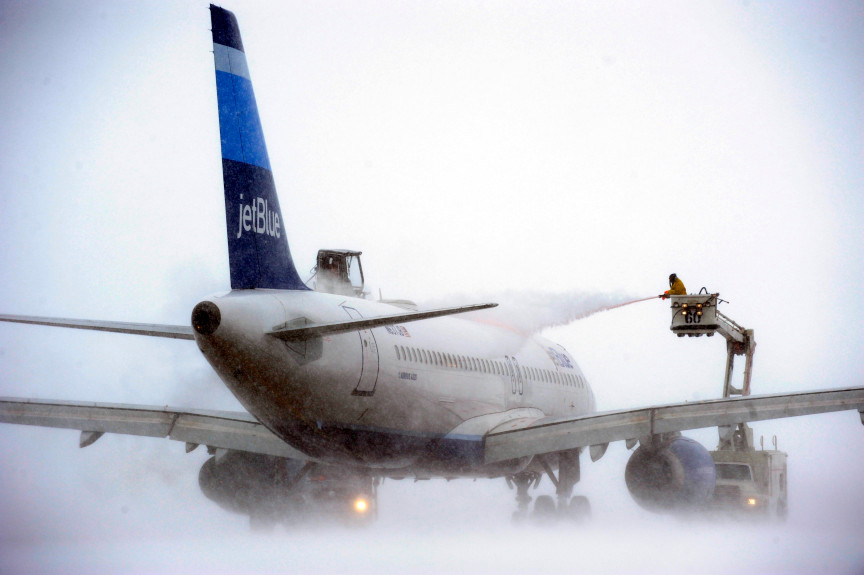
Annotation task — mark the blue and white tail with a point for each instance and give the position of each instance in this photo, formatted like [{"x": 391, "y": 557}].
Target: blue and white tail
[{"x": 258, "y": 250}]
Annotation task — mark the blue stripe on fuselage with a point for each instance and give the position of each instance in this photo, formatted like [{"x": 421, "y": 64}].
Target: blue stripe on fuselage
[{"x": 239, "y": 124}]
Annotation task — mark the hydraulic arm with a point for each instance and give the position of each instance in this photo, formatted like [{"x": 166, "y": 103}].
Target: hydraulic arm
[{"x": 695, "y": 315}]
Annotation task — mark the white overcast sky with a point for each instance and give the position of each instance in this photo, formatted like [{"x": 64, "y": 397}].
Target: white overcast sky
[{"x": 476, "y": 150}]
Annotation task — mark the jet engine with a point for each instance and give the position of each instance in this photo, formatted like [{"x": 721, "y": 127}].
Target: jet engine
[
  {"x": 672, "y": 475},
  {"x": 274, "y": 489},
  {"x": 249, "y": 483}
]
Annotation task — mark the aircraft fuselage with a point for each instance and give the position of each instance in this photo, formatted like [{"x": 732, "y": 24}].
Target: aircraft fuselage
[{"x": 420, "y": 395}]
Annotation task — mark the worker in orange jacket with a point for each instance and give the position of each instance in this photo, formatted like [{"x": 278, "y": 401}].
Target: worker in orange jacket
[{"x": 676, "y": 287}]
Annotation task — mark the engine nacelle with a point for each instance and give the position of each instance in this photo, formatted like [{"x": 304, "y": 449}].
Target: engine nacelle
[
  {"x": 677, "y": 475},
  {"x": 248, "y": 483},
  {"x": 274, "y": 489}
]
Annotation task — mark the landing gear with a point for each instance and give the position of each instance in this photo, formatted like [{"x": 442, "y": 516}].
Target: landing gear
[
  {"x": 579, "y": 508},
  {"x": 573, "y": 508},
  {"x": 522, "y": 481},
  {"x": 544, "y": 509}
]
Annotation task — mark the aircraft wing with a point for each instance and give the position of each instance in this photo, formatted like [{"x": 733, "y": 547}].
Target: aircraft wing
[
  {"x": 550, "y": 434},
  {"x": 218, "y": 429}
]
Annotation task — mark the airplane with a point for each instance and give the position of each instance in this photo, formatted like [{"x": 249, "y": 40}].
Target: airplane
[{"x": 341, "y": 391}]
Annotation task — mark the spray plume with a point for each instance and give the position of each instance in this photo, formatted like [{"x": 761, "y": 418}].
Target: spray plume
[{"x": 531, "y": 312}]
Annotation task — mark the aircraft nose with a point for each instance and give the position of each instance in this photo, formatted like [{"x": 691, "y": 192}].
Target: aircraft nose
[{"x": 206, "y": 317}]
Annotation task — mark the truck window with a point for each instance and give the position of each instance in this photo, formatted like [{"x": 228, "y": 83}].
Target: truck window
[{"x": 733, "y": 471}]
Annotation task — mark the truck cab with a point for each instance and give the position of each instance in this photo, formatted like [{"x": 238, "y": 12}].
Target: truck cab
[
  {"x": 339, "y": 272},
  {"x": 750, "y": 483}
]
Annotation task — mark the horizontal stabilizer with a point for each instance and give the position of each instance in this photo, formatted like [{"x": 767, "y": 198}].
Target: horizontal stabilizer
[
  {"x": 292, "y": 332},
  {"x": 153, "y": 330}
]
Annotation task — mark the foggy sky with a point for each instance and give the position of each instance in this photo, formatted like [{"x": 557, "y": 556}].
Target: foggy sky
[{"x": 468, "y": 150}]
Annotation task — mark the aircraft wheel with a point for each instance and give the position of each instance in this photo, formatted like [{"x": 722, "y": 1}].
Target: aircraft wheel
[
  {"x": 544, "y": 508},
  {"x": 579, "y": 508}
]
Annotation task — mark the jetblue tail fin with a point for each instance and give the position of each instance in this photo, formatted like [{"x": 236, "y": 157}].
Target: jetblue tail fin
[{"x": 257, "y": 244}]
